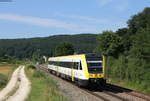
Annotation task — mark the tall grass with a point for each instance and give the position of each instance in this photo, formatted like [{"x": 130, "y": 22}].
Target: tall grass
[
  {"x": 129, "y": 73},
  {"x": 43, "y": 87},
  {"x": 3, "y": 80},
  {"x": 5, "y": 77}
]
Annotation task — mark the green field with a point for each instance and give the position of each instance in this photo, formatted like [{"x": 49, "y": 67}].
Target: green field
[{"x": 43, "y": 87}]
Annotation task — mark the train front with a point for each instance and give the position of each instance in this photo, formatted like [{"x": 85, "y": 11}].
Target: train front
[{"x": 96, "y": 68}]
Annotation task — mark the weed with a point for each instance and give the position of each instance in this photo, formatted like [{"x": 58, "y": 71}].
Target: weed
[
  {"x": 3, "y": 80},
  {"x": 43, "y": 87}
]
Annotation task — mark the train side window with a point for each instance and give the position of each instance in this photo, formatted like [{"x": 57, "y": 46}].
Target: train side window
[
  {"x": 75, "y": 65},
  {"x": 51, "y": 62},
  {"x": 80, "y": 66}
]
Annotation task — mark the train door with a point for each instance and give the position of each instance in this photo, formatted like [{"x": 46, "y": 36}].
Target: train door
[
  {"x": 79, "y": 66},
  {"x": 72, "y": 71}
]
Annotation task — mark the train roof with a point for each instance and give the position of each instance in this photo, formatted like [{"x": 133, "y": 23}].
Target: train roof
[
  {"x": 76, "y": 57},
  {"x": 85, "y": 54}
]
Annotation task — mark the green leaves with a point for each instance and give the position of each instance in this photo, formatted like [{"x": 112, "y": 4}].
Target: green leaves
[
  {"x": 128, "y": 51},
  {"x": 26, "y": 48},
  {"x": 141, "y": 20},
  {"x": 108, "y": 43},
  {"x": 64, "y": 48},
  {"x": 141, "y": 44}
]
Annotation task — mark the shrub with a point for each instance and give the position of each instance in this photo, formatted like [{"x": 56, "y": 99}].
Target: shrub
[
  {"x": 39, "y": 74},
  {"x": 3, "y": 80},
  {"x": 31, "y": 67},
  {"x": 51, "y": 82}
]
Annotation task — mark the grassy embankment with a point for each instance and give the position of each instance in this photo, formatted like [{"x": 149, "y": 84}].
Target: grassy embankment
[
  {"x": 125, "y": 73},
  {"x": 43, "y": 87},
  {"x": 130, "y": 85},
  {"x": 6, "y": 71}
]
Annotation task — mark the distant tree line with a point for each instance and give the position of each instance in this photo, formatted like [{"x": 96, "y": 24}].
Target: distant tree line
[
  {"x": 128, "y": 51},
  {"x": 38, "y": 47}
]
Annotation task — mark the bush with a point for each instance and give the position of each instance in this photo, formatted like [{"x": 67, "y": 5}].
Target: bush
[
  {"x": 39, "y": 74},
  {"x": 45, "y": 86},
  {"x": 3, "y": 80},
  {"x": 51, "y": 82},
  {"x": 31, "y": 67}
]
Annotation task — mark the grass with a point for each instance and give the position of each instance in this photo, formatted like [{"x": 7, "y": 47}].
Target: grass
[
  {"x": 5, "y": 74},
  {"x": 6, "y": 69},
  {"x": 131, "y": 85},
  {"x": 43, "y": 87}
]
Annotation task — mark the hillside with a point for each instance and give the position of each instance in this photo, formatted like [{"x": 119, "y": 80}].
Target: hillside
[{"x": 24, "y": 48}]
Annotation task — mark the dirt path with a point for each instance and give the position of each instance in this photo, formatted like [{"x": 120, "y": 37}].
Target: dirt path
[{"x": 18, "y": 87}]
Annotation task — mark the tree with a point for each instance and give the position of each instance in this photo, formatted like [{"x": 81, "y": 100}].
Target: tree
[
  {"x": 126, "y": 40},
  {"x": 122, "y": 31},
  {"x": 138, "y": 21},
  {"x": 141, "y": 44},
  {"x": 108, "y": 43},
  {"x": 64, "y": 48},
  {"x": 24, "y": 48}
]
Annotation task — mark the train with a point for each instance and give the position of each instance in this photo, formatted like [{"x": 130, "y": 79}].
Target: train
[{"x": 83, "y": 69}]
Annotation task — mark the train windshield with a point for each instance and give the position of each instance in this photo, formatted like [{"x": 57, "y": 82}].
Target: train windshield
[
  {"x": 97, "y": 64},
  {"x": 94, "y": 63}
]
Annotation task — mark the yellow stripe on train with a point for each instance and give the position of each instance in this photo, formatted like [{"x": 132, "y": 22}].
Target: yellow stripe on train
[{"x": 101, "y": 75}]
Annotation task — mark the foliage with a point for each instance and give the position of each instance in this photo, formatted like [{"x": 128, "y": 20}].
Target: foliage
[
  {"x": 34, "y": 48},
  {"x": 39, "y": 74},
  {"x": 45, "y": 86},
  {"x": 139, "y": 21},
  {"x": 3, "y": 80},
  {"x": 108, "y": 43},
  {"x": 31, "y": 67},
  {"x": 122, "y": 31},
  {"x": 141, "y": 44},
  {"x": 132, "y": 47},
  {"x": 64, "y": 48}
]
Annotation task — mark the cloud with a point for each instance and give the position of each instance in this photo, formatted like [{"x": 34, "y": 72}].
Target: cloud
[
  {"x": 35, "y": 20},
  {"x": 47, "y": 22},
  {"x": 117, "y": 5},
  {"x": 104, "y": 2},
  {"x": 75, "y": 23},
  {"x": 87, "y": 19},
  {"x": 122, "y": 5},
  {"x": 94, "y": 24}
]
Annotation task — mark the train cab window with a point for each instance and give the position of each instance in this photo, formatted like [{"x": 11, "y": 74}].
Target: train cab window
[{"x": 95, "y": 64}]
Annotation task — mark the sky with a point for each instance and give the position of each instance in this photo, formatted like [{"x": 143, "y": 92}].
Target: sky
[{"x": 41, "y": 18}]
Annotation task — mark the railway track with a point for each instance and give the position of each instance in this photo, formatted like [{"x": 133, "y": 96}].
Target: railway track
[
  {"x": 108, "y": 93},
  {"x": 83, "y": 90},
  {"x": 129, "y": 92}
]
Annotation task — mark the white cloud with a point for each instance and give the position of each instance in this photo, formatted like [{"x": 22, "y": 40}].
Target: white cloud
[
  {"x": 35, "y": 20},
  {"x": 77, "y": 24},
  {"x": 104, "y": 2},
  {"x": 94, "y": 24},
  {"x": 122, "y": 5},
  {"x": 90, "y": 20},
  {"x": 47, "y": 22},
  {"x": 117, "y": 5}
]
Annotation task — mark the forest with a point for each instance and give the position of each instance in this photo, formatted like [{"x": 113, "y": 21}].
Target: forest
[
  {"x": 127, "y": 49},
  {"x": 28, "y": 48}
]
